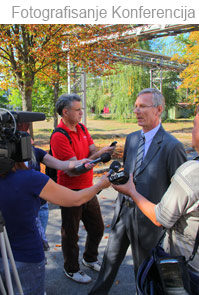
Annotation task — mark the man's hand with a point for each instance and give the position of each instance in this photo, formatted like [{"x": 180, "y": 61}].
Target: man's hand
[
  {"x": 71, "y": 165},
  {"x": 104, "y": 181},
  {"x": 107, "y": 149},
  {"x": 127, "y": 189}
]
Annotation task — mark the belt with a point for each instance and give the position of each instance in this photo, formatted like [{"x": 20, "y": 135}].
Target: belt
[{"x": 128, "y": 203}]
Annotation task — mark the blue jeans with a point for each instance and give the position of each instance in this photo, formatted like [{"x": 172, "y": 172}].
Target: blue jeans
[
  {"x": 31, "y": 275},
  {"x": 43, "y": 215}
]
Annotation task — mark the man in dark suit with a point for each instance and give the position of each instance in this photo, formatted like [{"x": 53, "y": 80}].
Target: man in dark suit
[{"x": 153, "y": 168}]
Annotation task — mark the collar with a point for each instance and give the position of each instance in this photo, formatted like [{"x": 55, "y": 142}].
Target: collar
[{"x": 150, "y": 134}]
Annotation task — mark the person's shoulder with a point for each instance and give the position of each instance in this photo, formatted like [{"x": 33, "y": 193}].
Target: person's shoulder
[
  {"x": 170, "y": 139},
  {"x": 82, "y": 127},
  {"x": 188, "y": 167},
  {"x": 134, "y": 133}
]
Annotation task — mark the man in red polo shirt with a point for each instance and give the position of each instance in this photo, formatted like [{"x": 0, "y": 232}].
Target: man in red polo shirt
[{"x": 79, "y": 147}]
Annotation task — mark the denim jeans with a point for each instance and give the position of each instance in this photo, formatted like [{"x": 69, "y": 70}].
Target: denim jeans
[
  {"x": 43, "y": 215},
  {"x": 31, "y": 275}
]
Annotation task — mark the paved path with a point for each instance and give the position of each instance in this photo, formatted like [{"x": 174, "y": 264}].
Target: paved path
[{"x": 56, "y": 282}]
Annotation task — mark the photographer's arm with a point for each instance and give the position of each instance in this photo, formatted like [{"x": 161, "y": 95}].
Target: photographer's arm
[
  {"x": 67, "y": 166},
  {"x": 147, "y": 207},
  {"x": 63, "y": 196}
]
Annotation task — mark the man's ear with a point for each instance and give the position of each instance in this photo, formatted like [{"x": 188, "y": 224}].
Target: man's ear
[
  {"x": 160, "y": 109},
  {"x": 64, "y": 112}
]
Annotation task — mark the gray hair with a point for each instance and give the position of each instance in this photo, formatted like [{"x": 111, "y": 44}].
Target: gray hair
[
  {"x": 65, "y": 102},
  {"x": 157, "y": 97}
]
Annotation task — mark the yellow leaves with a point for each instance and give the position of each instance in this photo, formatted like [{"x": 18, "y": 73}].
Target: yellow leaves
[
  {"x": 190, "y": 75},
  {"x": 34, "y": 49}
]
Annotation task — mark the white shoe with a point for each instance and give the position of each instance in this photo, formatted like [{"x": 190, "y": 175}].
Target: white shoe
[
  {"x": 79, "y": 277},
  {"x": 93, "y": 265}
]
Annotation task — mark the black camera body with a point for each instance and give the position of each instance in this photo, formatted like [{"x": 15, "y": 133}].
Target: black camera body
[
  {"x": 119, "y": 177},
  {"x": 18, "y": 148},
  {"x": 15, "y": 145}
]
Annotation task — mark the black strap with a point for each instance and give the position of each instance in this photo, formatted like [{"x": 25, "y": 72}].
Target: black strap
[
  {"x": 61, "y": 130},
  {"x": 82, "y": 126},
  {"x": 195, "y": 248}
]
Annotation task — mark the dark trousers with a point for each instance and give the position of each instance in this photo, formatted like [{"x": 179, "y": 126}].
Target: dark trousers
[
  {"x": 90, "y": 214},
  {"x": 123, "y": 234}
]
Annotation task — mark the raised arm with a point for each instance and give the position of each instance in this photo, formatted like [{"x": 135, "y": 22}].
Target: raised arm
[
  {"x": 147, "y": 207},
  {"x": 63, "y": 196}
]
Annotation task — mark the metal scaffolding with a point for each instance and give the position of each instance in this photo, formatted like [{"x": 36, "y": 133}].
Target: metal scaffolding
[{"x": 156, "y": 62}]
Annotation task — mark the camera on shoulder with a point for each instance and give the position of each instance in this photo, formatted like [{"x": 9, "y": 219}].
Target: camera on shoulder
[{"x": 15, "y": 145}]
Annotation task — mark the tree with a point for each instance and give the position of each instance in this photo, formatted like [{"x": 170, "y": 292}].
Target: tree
[
  {"x": 27, "y": 51},
  {"x": 3, "y": 98},
  {"x": 190, "y": 76},
  {"x": 119, "y": 89}
]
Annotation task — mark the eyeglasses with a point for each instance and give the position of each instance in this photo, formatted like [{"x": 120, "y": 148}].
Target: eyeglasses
[{"x": 142, "y": 108}]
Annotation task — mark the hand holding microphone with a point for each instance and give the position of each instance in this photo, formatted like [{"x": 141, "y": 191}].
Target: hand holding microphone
[{"x": 105, "y": 157}]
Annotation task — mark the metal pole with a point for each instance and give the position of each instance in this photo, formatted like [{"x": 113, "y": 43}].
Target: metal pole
[
  {"x": 83, "y": 85},
  {"x": 151, "y": 78},
  {"x": 68, "y": 65}
]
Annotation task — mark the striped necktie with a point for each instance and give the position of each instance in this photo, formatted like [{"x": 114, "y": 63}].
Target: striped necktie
[{"x": 140, "y": 155}]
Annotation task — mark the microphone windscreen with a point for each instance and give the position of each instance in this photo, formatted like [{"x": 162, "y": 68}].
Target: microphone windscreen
[
  {"x": 105, "y": 157},
  {"x": 24, "y": 117},
  {"x": 115, "y": 166}
]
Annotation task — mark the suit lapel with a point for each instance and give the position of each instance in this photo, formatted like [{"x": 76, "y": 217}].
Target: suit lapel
[
  {"x": 153, "y": 149},
  {"x": 132, "y": 152}
]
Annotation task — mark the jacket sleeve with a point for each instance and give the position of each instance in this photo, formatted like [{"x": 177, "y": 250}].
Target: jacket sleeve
[{"x": 176, "y": 157}]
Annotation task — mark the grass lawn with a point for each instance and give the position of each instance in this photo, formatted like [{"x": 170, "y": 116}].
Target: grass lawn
[{"x": 105, "y": 131}]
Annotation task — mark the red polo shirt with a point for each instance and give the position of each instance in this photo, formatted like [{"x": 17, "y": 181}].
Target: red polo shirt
[{"x": 63, "y": 150}]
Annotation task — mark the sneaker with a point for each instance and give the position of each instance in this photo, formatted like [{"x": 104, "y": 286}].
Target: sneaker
[
  {"x": 93, "y": 265},
  {"x": 79, "y": 277}
]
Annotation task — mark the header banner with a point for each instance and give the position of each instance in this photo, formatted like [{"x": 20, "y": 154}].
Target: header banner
[{"x": 99, "y": 12}]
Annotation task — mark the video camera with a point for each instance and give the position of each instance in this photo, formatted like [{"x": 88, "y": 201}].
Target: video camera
[
  {"x": 115, "y": 176},
  {"x": 15, "y": 145}
]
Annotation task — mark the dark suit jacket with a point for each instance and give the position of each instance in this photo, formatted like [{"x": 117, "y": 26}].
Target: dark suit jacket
[{"x": 164, "y": 156}]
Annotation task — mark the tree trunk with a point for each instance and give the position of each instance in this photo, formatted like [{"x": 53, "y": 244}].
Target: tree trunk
[
  {"x": 56, "y": 91},
  {"x": 56, "y": 94},
  {"x": 26, "y": 94}
]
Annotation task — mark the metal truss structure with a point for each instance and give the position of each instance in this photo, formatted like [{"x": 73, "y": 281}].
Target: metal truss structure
[
  {"x": 149, "y": 32},
  {"x": 156, "y": 62}
]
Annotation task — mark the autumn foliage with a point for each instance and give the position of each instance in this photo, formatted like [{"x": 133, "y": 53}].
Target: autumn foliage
[
  {"x": 29, "y": 51},
  {"x": 190, "y": 76}
]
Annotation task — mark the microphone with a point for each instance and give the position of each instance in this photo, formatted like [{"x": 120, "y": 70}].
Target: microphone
[
  {"x": 114, "y": 167},
  {"x": 25, "y": 117},
  {"x": 20, "y": 117},
  {"x": 103, "y": 158}
]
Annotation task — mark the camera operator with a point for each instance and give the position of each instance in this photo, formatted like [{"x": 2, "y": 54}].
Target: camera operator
[
  {"x": 178, "y": 210},
  {"x": 21, "y": 189}
]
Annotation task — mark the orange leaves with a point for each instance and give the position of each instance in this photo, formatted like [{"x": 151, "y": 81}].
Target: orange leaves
[
  {"x": 28, "y": 50},
  {"x": 190, "y": 75}
]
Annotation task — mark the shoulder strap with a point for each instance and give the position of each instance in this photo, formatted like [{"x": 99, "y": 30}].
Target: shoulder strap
[
  {"x": 61, "y": 130},
  {"x": 82, "y": 126},
  {"x": 195, "y": 248}
]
